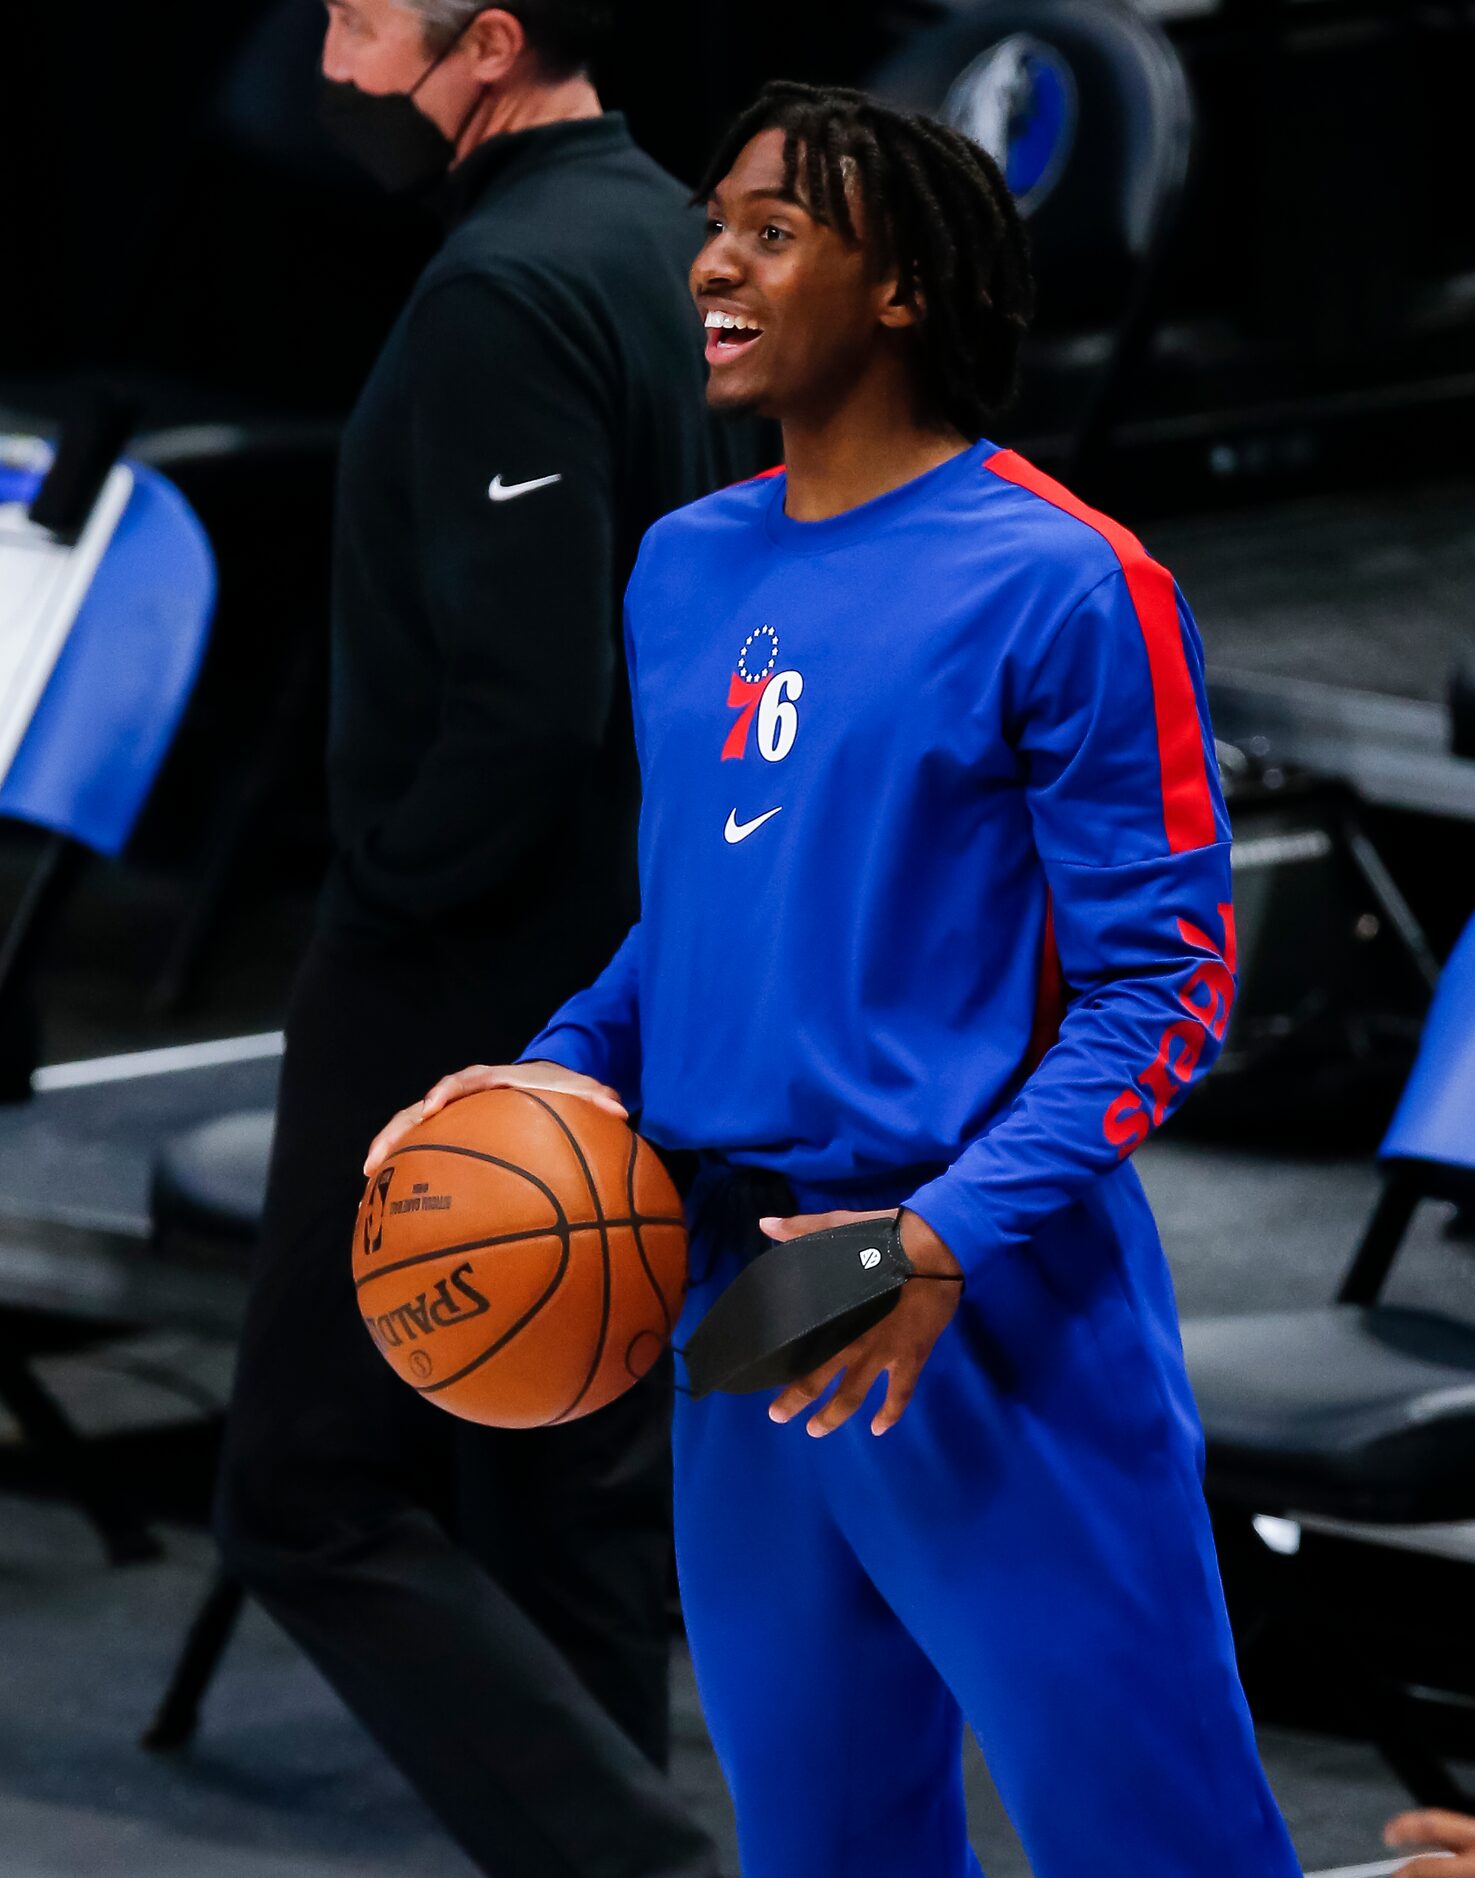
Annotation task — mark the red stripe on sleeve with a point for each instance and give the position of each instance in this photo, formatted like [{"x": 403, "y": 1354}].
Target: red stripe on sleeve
[{"x": 1188, "y": 803}]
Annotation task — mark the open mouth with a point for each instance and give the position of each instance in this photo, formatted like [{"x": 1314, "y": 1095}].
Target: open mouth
[{"x": 728, "y": 334}]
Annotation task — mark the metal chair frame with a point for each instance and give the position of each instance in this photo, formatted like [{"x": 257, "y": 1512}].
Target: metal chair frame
[{"x": 1389, "y": 1713}]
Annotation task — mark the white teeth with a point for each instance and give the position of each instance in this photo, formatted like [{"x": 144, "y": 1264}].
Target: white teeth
[{"x": 728, "y": 322}]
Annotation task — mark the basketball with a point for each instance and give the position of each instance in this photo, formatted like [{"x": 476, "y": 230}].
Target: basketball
[{"x": 520, "y": 1259}]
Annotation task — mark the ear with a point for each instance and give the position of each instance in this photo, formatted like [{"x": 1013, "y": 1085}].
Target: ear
[
  {"x": 898, "y": 310},
  {"x": 495, "y": 41}
]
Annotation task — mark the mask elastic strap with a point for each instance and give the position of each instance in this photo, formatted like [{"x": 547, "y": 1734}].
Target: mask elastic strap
[
  {"x": 440, "y": 58},
  {"x": 434, "y": 66}
]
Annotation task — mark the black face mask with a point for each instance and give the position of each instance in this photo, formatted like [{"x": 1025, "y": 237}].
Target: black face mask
[{"x": 387, "y": 134}]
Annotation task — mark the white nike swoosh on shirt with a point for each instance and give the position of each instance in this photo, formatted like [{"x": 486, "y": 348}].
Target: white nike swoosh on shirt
[
  {"x": 504, "y": 492},
  {"x": 736, "y": 831}
]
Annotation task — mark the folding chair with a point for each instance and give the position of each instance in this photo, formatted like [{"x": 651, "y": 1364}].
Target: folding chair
[
  {"x": 1359, "y": 1410},
  {"x": 81, "y": 773}
]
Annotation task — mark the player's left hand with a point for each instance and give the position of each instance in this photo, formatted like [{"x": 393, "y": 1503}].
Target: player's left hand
[
  {"x": 897, "y": 1347},
  {"x": 1452, "y": 1832}
]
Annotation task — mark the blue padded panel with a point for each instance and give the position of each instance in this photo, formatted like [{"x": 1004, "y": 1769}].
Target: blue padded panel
[
  {"x": 120, "y": 687},
  {"x": 1435, "y": 1120}
]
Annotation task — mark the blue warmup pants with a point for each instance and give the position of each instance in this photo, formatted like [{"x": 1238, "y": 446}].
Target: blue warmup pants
[{"x": 1028, "y": 1549}]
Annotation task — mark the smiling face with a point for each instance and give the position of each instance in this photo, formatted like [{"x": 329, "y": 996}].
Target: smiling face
[{"x": 795, "y": 313}]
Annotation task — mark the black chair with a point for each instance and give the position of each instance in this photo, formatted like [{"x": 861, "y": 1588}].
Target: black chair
[
  {"x": 209, "y": 1189},
  {"x": 1362, "y": 1411},
  {"x": 1086, "y": 105},
  {"x": 209, "y": 1183}
]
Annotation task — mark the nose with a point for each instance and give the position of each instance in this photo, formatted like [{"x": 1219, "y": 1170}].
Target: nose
[
  {"x": 335, "y": 65},
  {"x": 717, "y": 267}
]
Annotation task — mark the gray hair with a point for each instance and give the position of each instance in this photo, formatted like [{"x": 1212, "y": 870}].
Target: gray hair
[
  {"x": 443, "y": 19},
  {"x": 567, "y": 34}
]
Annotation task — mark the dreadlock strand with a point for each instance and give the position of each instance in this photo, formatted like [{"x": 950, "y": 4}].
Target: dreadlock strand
[{"x": 837, "y": 156}]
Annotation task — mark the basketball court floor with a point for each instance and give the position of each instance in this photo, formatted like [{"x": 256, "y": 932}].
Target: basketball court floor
[{"x": 281, "y": 1782}]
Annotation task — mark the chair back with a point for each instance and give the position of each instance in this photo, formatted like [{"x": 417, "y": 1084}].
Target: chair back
[
  {"x": 1433, "y": 1128},
  {"x": 1085, "y": 105},
  {"x": 115, "y": 697}
]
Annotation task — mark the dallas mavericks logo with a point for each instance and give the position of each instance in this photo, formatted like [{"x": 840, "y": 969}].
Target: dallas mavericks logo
[
  {"x": 1018, "y": 100},
  {"x": 757, "y": 689}
]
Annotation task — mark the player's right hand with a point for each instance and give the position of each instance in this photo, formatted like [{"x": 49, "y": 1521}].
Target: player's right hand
[
  {"x": 1452, "y": 1832},
  {"x": 465, "y": 1082}
]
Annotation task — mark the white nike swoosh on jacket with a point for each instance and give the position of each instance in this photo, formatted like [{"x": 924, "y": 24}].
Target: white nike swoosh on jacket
[
  {"x": 736, "y": 831},
  {"x": 504, "y": 492}
]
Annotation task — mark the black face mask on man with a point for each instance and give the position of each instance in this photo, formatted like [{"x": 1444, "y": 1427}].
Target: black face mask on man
[{"x": 387, "y": 134}]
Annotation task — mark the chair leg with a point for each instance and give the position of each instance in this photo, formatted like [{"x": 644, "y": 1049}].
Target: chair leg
[
  {"x": 236, "y": 826},
  {"x": 71, "y": 1460},
  {"x": 1381, "y": 1239},
  {"x": 1389, "y": 1716},
  {"x": 178, "y": 1715},
  {"x": 1401, "y": 1737}
]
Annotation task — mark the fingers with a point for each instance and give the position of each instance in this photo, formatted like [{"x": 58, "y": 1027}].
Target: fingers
[
  {"x": 1432, "y": 1826},
  {"x": 559, "y": 1081},
  {"x": 901, "y": 1381},
  {"x": 802, "y": 1394},
  {"x": 793, "y": 1228},
  {"x": 859, "y": 1368},
  {"x": 478, "y": 1077},
  {"x": 464, "y": 1082},
  {"x": 772, "y": 1227},
  {"x": 543, "y": 1073},
  {"x": 390, "y": 1136},
  {"x": 860, "y": 1379},
  {"x": 549, "y": 1077}
]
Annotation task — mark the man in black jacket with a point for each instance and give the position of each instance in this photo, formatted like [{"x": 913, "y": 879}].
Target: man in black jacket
[{"x": 490, "y": 1604}]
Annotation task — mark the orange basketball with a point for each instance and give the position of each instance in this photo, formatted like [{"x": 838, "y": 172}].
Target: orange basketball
[{"x": 520, "y": 1258}]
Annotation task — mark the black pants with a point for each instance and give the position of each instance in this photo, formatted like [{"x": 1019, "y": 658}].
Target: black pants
[{"x": 489, "y": 1603}]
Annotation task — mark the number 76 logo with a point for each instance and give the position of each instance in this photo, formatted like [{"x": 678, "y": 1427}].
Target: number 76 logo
[{"x": 769, "y": 698}]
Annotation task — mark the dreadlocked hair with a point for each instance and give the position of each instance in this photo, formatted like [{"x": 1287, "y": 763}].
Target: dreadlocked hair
[{"x": 941, "y": 214}]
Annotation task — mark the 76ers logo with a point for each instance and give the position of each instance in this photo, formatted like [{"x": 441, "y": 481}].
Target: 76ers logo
[{"x": 757, "y": 690}]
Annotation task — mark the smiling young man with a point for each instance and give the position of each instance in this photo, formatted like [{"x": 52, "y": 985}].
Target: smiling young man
[
  {"x": 492, "y": 1605},
  {"x": 936, "y": 928}
]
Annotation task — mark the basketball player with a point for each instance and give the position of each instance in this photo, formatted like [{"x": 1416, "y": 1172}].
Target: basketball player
[
  {"x": 936, "y": 923},
  {"x": 492, "y": 1607}
]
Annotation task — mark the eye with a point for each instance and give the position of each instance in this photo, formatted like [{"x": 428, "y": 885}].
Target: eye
[
  {"x": 772, "y": 234},
  {"x": 714, "y": 226}
]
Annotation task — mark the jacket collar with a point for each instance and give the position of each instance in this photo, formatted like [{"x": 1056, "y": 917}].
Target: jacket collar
[{"x": 494, "y": 163}]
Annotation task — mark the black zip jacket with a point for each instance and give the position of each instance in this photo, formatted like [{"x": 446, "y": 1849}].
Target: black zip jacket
[{"x": 537, "y": 406}]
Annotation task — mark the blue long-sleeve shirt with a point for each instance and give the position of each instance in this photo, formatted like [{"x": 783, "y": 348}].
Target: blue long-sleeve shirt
[{"x": 934, "y": 863}]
